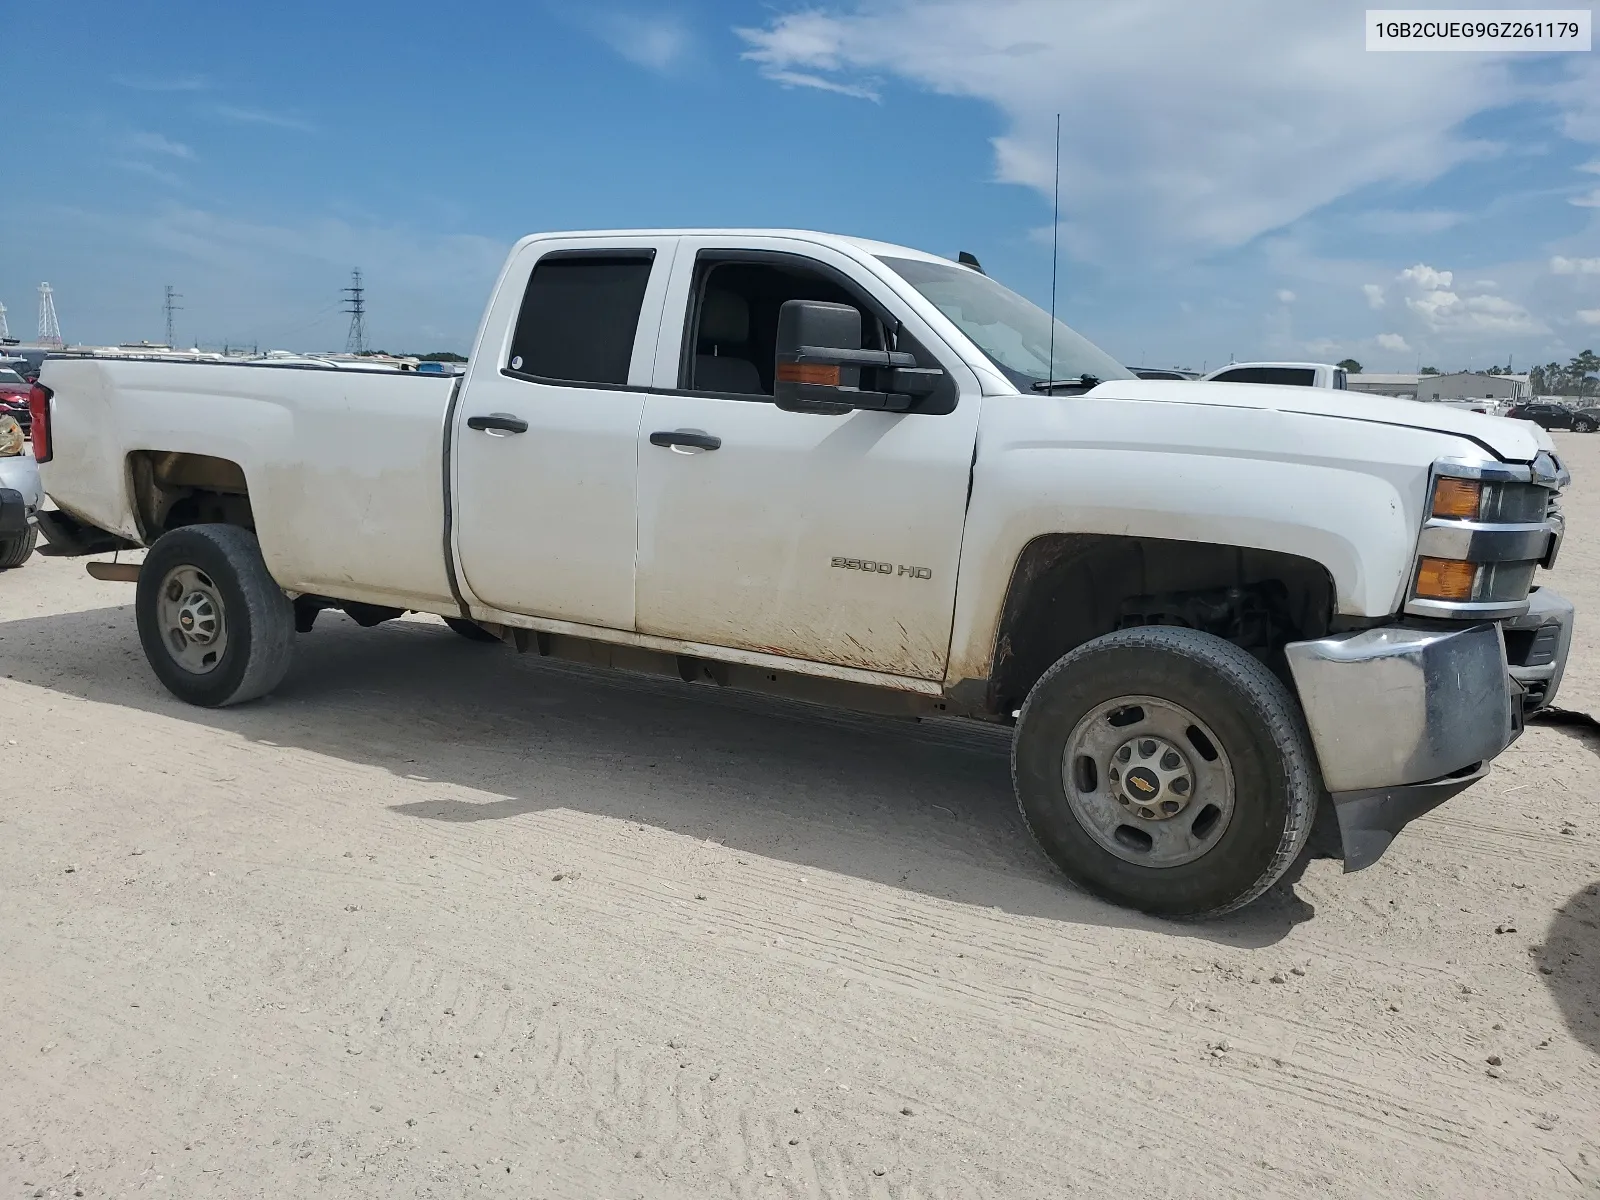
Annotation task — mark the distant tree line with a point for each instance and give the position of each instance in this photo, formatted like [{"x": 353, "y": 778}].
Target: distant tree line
[{"x": 1571, "y": 379}]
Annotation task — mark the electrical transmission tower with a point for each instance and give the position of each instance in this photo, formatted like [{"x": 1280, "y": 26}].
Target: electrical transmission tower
[
  {"x": 5, "y": 333},
  {"x": 49, "y": 327},
  {"x": 355, "y": 303},
  {"x": 171, "y": 307}
]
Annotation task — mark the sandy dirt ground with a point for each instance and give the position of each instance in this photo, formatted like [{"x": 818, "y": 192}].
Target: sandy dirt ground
[{"x": 436, "y": 920}]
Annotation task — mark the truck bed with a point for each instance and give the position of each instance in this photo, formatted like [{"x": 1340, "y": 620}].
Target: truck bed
[{"x": 344, "y": 467}]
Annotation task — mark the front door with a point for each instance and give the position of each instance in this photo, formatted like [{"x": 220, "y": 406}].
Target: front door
[
  {"x": 828, "y": 538},
  {"x": 546, "y": 430}
]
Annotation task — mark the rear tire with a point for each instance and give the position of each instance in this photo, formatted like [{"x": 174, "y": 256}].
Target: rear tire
[
  {"x": 470, "y": 630},
  {"x": 215, "y": 626},
  {"x": 1214, "y": 742},
  {"x": 16, "y": 551}
]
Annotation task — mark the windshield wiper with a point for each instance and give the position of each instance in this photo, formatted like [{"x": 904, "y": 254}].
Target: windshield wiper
[{"x": 1082, "y": 381}]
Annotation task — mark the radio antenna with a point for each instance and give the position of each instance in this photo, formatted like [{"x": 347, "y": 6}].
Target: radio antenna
[{"x": 1055, "y": 233}]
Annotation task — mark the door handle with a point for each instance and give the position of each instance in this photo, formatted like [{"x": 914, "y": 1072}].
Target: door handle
[
  {"x": 686, "y": 437},
  {"x": 498, "y": 424}
]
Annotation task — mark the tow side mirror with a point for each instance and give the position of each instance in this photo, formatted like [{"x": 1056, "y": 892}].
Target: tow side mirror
[{"x": 820, "y": 363}]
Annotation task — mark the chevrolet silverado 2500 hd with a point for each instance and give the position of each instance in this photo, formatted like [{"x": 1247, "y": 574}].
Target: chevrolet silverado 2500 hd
[{"x": 861, "y": 474}]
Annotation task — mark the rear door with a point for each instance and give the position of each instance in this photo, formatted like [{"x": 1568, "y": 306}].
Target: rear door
[
  {"x": 546, "y": 434},
  {"x": 827, "y": 538}
]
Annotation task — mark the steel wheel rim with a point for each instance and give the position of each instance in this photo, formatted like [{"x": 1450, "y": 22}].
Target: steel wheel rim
[
  {"x": 1131, "y": 797},
  {"x": 192, "y": 620}
]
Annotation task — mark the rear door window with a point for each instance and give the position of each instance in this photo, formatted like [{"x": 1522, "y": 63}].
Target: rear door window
[
  {"x": 580, "y": 316},
  {"x": 1292, "y": 376}
]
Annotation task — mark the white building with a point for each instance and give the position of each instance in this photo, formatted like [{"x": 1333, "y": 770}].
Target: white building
[
  {"x": 1472, "y": 385},
  {"x": 1403, "y": 386}
]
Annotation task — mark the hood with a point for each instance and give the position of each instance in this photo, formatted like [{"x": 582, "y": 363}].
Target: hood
[{"x": 1512, "y": 441}]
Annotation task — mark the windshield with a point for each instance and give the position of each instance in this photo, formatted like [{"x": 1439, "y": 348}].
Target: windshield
[{"x": 1013, "y": 332}]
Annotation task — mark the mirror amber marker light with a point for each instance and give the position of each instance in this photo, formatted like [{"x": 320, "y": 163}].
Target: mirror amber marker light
[
  {"x": 1456, "y": 498},
  {"x": 825, "y": 374}
]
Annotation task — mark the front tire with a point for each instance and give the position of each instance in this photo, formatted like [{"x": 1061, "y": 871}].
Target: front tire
[
  {"x": 1583, "y": 425},
  {"x": 16, "y": 551},
  {"x": 1167, "y": 770},
  {"x": 215, "y": 626}
]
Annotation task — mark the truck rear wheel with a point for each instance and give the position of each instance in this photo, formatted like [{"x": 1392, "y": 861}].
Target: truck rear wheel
[
  {"x": 215, "y": 626},
  {"x": 1167, "y": 770},
  {"x": 15, "y": 551}
]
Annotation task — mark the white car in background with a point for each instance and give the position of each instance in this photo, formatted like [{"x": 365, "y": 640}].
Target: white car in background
[
  {"x": 20, "y": 498},
  {"x": 1284, "y": 374}
]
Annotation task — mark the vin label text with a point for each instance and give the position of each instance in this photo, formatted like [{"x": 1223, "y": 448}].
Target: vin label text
[{"x": 1469, "y": 29}]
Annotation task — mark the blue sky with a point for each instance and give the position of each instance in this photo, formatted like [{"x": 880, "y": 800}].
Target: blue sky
[{"x": 1239, "y": 178}]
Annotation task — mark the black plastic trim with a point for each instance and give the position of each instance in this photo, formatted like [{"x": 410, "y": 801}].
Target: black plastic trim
[
  {"x": 449, "y": 502},
  {"x": 1369, "y": 820}
]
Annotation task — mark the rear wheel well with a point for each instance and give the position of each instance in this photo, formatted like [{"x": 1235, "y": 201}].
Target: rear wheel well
[
  {"x": 1069, "y": 588},
  {"x": 172, "y": 489}
]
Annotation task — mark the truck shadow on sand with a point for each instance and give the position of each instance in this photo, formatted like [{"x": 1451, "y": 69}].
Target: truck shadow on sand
[
  {"x": 926, "y": 807},
  {"x": 1569, "y": 962}
]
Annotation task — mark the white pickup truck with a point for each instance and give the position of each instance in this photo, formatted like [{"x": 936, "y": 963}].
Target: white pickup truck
[
  {"x": 865, "y": 475},
  {"x": 1282, "y": 374}
]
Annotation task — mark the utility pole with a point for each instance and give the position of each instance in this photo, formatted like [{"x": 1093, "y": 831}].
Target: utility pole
[
  {"x": 355, "y": 303},
  {"x": 5, "y": 333},
  {"x": 171, "y": 307},
  {"x": 49, "y": 327}
]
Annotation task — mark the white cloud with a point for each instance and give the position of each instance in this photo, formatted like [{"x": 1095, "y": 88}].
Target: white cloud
[
  {"x": 258, "y": 116},
  {"x": 1220, "y": 135},
  {"x": 155, "y": 143},
  {"x": 1285, "y": 296},
  {"x": 1424, "y": 276},
  {"x": 1589, "y": 316},
  {"x": 1444, "y": 311},
  {"x": 657, "y": 41},
  {"x": 822, "y": 84},
  {"x": 1590, "y": 199},
  {"x": 1393, "y": 341},
  {"x": 1374, "y": 294},
  {"x": 1574, "y": 266}
]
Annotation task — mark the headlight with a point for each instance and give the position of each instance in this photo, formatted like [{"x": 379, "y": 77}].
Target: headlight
[{"x": 1489, "y": 527}]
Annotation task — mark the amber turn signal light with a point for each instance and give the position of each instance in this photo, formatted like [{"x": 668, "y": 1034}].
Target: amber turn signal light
[
  {"x": 820, "y": 373},
  {"x": 1445, "y": 579},
  {"x": 1457, "y": 499}
]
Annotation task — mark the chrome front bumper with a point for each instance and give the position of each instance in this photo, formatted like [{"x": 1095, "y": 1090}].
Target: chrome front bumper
[{"x": 1405, "y": 716}]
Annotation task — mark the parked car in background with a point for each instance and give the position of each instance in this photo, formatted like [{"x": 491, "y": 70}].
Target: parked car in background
[
  {"x": 1586, "y": 420},
  {"x": 14, "y": 397},
  {"x": 1290, "y": 374},
  {"x": 1549, "y": 416},
  {"x": 20, "y": 498},
  {"x": 25, "y": 361}
]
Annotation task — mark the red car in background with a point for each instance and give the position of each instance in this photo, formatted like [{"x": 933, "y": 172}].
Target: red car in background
[{"x": 14, "y": 398}]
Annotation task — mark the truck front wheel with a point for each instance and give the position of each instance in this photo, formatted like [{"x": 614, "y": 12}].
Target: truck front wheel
[
  {"x": 215, "y": 626},
  {"x": 1167, "y": 770}
]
